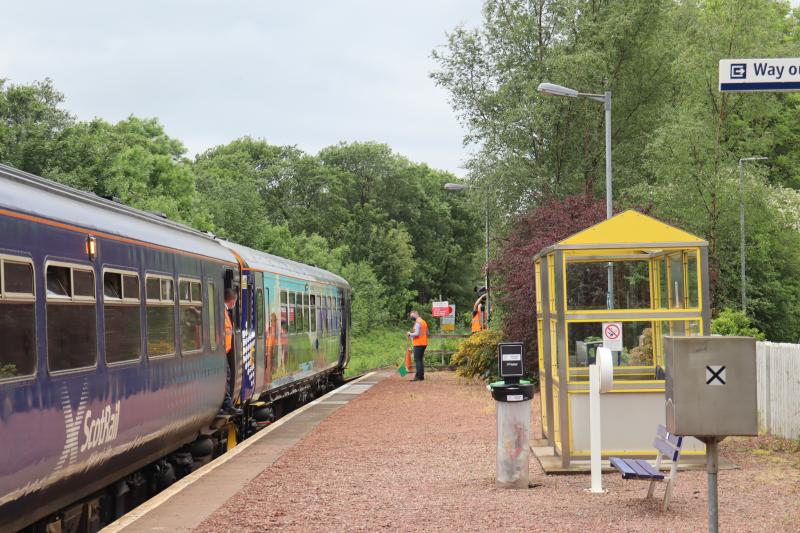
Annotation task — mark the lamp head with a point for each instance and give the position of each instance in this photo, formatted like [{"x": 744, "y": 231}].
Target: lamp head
[
  {"x": 455, "y": 187},
  {"x": 551, "y": 89}
]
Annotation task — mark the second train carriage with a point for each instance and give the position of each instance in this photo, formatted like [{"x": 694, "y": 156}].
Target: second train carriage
[{"x": 112, "y": 346}]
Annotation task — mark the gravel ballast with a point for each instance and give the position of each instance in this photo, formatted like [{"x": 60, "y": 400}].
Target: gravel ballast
[{"x": 419, "y": 456}]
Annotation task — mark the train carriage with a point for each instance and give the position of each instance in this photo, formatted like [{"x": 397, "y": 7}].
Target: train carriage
[{"x": 112, "y": 349}]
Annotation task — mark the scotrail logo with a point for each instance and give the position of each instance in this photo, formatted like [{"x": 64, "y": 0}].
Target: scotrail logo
[{"x": 98, "y": 429}]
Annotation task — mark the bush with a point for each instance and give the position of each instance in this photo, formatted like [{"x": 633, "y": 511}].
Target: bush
[
  {"x": 730, "y": 322},
  {"x": 477, "y": 355}
]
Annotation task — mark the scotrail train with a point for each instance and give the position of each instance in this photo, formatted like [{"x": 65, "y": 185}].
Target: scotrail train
[{"x": 112, "y": 356}]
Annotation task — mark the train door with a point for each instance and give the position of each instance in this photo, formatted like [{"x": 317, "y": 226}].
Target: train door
[
  {"x": 248, "y": 334},
  {"x": 344, "y": 357},
  {"x": 260, "y": 322},
  {"x": 233, "y": 281}
]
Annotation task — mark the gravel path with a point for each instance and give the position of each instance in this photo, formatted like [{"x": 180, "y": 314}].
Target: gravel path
[{"x": 420, "y": 457}]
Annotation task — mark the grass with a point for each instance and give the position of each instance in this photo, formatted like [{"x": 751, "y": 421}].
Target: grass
[{"x": 387, "y": 347}]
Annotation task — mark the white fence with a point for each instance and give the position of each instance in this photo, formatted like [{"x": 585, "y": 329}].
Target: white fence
[{"x": 778, "y": 369}]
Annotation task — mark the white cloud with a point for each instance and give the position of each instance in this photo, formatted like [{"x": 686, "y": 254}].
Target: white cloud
[{"x": 305, "y": 72}]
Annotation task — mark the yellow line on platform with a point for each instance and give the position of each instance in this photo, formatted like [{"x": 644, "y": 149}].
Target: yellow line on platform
[{"x": 153, "y": 503}]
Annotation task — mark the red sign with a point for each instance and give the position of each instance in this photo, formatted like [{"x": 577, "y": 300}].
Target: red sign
[
  {"x": 612, "y": 332},
  {"x": 440, "y": 309}
]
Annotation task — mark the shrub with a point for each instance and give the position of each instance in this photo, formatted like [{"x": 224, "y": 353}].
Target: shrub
[
  {"x": 735, "y": 323},
  {"x": 477, "y": 355}
]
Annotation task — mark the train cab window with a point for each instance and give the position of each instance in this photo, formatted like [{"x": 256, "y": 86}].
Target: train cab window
[
  {"x": 71, "y": 317},
  {"x": 191, "y": 315},
  {"x": 212, "y": 315},
  {"x": 160, "y": 316},
  {"x": 312, "y": 309},
  {"x": 260, "y": 312},
  {"x": 121, "y": 303},
  {"x": 17, "y": 319}
]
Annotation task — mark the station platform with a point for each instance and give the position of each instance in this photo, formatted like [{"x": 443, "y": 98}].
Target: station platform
[{"x": 384, "y": 453}]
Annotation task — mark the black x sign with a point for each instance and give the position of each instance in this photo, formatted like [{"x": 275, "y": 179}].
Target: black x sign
[{"x": 715, "y": 373}]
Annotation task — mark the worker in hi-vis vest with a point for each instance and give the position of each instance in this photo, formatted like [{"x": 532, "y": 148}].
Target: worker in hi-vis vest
[
  {"x": 227, "y": 405},
  {"x": 477, "y": 318},
  {"x": 419, "y": 339}
]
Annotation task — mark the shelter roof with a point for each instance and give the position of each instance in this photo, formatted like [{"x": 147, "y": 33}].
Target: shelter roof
[{"x": 627, "y": 230}]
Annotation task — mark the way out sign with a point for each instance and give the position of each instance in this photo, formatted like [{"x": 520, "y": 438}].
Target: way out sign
[
  {"x": 612, "y": 336},
  {"x": 775, "y": 74}
]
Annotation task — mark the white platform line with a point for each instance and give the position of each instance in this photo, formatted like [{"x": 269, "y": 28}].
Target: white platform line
[{"x": 163, "y": 496}]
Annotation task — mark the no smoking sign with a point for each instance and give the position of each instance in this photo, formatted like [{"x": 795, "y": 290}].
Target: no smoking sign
[{"x": 612, "y": 336}]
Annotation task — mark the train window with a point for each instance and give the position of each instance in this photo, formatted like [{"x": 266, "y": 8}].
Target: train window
[
  {"x": 292, "y": 316},
  {"x": 191, "y": 313},
  {"x": 301, "y": 313},
  {"x": 17, "y": 278},
  {"x": 130, "y": 287},
  {"x": 71, "y": 318},
  {"x": 59, "y": 281},
  {"x": 212, "y": 315},
  {"x": 82, "y": 283},
  {"x": 284, "y": 312},
  {"x": 312, "y": 317},
  {"x": 17, "y": 319},
  {"x": 153, "y": 289},
  {"x": 121, "y": 315},
  {"x": 166, "y": 290},
  {"x": 112, "y": 285},
  {"x": 260, "y": 312},
  {"x": 160, "y": 316}
]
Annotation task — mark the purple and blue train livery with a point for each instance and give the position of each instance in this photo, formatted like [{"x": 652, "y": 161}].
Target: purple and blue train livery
[{"x": 112, "y": 350}]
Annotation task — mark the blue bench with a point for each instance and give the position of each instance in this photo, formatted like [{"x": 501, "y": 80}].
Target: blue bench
[{"x": 669, "y": 447}]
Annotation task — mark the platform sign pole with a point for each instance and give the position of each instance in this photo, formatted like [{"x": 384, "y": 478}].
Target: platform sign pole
[{"x": 594, "y": 427}]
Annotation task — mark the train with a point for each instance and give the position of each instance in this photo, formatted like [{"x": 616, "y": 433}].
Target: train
[{"x": 112, "y": 350}]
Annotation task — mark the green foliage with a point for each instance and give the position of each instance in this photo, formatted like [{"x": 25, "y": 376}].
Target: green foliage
[
  {"x": 731, "y": 322},
  {"x": 378, "y": 348},
  {"x": 477, "y": 355},
  {"x": 30, "y": 123},
  {"x": 676, "y": 139},
  {"x": 369, "y": 307}
]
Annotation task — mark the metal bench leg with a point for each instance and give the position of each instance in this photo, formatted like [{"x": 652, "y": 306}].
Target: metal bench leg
[
  {"x": 668, "y": 491},
  {"x": 652, "y": 488}
]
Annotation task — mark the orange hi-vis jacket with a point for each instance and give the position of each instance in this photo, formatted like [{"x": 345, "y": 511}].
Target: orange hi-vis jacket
[
  {"x": 422, "y": 338},
  {"x": 477, "y": 320},
  {"x": 228, "y": 331}
]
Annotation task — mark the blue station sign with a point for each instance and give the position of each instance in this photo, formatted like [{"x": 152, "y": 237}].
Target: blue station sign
[{"x": 776, "y": 74}]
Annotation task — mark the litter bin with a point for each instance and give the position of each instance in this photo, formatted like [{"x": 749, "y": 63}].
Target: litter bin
[{"x": 513, "y": 432}]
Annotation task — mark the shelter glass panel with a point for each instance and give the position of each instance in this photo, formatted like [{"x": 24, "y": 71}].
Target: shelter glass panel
[{"x": 587, "y": 285}]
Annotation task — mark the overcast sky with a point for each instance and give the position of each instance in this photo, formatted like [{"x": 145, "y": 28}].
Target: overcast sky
[{"x": 303, "y": 72}]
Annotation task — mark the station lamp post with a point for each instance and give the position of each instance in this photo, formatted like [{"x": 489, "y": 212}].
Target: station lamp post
[
  {"x": 741, "y": 226},
  {"x": 551, "y": 89},
  {"x": 462, "y": 187}
]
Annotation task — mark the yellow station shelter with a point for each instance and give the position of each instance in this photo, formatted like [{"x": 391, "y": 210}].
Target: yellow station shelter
[{"x": 630, "y": 278}]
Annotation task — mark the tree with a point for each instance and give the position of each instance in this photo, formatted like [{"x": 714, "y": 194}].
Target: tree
[
  {"x": 30, "y": 122},
  {"x": 514, "y": 266},
  {"x": 133, "y": 161}
]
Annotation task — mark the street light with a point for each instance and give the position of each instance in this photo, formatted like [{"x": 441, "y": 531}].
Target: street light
[
  {"x": 462, "y": 187},
  {"x": 551, "y": 89},
  {"x": 741, "y": 225}
]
